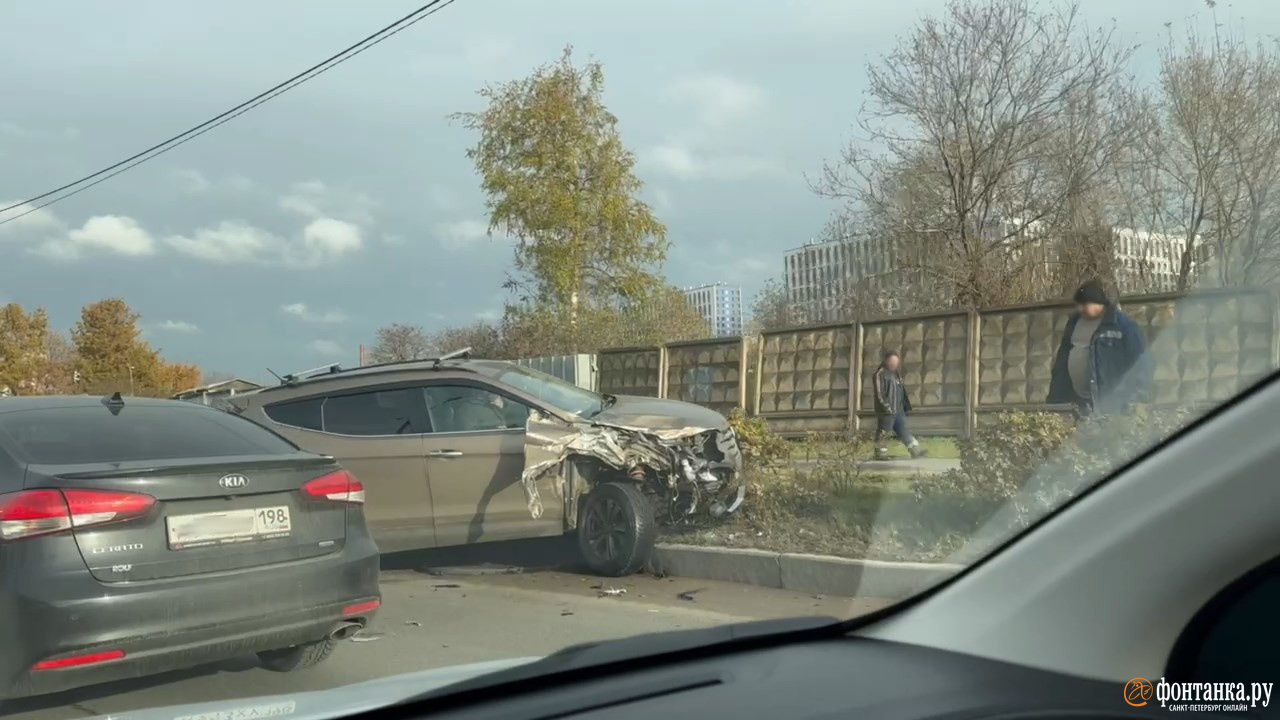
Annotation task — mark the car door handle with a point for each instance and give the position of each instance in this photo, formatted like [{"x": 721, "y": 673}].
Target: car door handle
[{"x": 445, "y": 453}]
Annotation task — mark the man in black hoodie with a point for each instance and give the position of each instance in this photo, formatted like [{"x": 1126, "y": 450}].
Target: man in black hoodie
[
  {"x": 892, "y": 406},
  {"x": 1102, "y": 363}
]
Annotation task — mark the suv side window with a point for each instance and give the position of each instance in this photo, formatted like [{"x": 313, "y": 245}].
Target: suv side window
[
  {"x": 298, "y": 413},
  {"x": 464, "y": 408},
  {"x": 379, "y": 412}
]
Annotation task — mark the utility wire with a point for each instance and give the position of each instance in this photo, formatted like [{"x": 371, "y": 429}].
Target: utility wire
[{"x": 159, "y": 149}]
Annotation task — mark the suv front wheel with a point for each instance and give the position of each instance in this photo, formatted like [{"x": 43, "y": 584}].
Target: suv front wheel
[{"x": 616, "y": 529}]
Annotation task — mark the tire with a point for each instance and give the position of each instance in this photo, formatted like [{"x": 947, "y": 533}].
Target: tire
[
  {"x": 297, "y": 657},
  {"x": 616, "y": 529}
]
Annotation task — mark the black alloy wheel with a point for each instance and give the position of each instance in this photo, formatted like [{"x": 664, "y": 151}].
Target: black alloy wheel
[{"x": 616, "y": 529}]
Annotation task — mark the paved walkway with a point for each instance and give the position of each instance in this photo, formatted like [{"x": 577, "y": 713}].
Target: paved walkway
[{"x": 924, "y": 466}]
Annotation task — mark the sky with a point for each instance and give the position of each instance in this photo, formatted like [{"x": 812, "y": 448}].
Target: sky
[{"x": 287, "y": 236}]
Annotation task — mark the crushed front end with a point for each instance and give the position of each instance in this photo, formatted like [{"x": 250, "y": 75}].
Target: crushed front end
[{"x": 686, "y": 471}]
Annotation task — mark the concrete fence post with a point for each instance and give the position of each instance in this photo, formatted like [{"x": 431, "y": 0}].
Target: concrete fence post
[
  {"x": 855, "y": 377},
  {"x": 972, "y": 366}
]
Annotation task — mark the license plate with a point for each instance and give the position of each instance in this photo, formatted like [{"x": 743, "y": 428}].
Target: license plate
[{"x": 230, "y": 526}]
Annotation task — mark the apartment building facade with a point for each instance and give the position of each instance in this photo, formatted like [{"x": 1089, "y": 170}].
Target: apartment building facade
[
  {"x": 821, "y": 277},
  {"x": 720, "y": 305}
]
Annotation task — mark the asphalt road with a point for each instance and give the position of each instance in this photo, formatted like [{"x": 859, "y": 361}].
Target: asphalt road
[{"x": 439, "y": 616}]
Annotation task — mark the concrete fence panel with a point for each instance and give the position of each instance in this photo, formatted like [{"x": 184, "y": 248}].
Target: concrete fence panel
[
  {"x": 1207, "y": 346},
  {"x": 934, "y": 350},
  {"x": 711, "y": 373},
  {"x": 961, "y": 368},
  {"x": 1016, "y": 349},
  {"x": 804, "y": 378},
  {"x": 630, "y": 371}
]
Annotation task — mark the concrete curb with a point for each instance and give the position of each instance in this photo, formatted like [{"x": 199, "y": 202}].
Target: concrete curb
[{"x": 816, "y": 574}]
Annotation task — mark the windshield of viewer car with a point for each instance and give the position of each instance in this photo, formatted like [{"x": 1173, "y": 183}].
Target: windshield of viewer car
[{"x": 868, "y": 283}]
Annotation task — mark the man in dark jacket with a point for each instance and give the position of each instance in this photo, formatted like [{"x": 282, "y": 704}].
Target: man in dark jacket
[
  {"x": 1102, "y": 363},
  {"x": 892, "y": 406}
]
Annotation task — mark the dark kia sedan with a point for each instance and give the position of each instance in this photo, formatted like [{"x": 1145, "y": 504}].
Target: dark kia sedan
[{"x": 139, "y": 536}]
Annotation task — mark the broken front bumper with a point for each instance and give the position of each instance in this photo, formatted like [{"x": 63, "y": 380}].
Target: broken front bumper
[{"x": 688, "y": 470}]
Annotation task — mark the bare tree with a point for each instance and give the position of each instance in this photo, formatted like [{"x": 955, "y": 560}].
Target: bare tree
[
  {"x": 1222, "y": 154},
  {"x": 397, "y": 342},
  {"x": 985, "y": 133},
  {"x": 771, "y": 309}
]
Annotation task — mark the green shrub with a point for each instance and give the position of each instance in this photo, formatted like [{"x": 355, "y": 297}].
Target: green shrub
[
  {"x": 834, "y": 459},
  {"x": 1038, "y": 460},
  {"x": 762, "y": 448}
]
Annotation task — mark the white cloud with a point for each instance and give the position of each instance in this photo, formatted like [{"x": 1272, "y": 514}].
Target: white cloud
[
  {"x": 461, "y": 233},
  {"x": 191, "y": 181},
  {"x": 328, "y": 348},
  {"x": 228, "y": 242},
  {"x": 722, "y": 112},
  {"x": 315, "y": 200},
  {"x": 306, "y": 314},
  {"x": 178, "y": 326},
  {"x": 490, "y": 315},
  {"x": 25, "y": 221},
  {"x": 718, "y": 99},
  {"x": 326, "y": 239},
  {"x": 194, "y": 182},
  {"x": 686, "y": 163},
  {"x": 233, "y": 242},
  {"x": 46, "y": 234},
  {"x": 115, "y": 234}
]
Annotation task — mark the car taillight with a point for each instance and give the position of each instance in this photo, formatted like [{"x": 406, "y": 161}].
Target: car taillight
[
  {"x": 339, "y": 486},
  {"x": 75, "y": 660},
  {"x": 40, "y": 512}
]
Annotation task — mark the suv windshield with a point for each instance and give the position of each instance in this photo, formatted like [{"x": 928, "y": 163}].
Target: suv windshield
[{"x": 548, "y": 388}]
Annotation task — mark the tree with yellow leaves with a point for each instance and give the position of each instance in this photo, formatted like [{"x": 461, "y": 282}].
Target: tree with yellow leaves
[
  {"x": 111, "y": 355},
  {"x": 24, "y": 355},
  {"x": 558, "y": 180}
]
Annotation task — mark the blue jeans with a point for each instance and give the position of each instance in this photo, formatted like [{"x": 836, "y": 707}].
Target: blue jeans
[{"x": 897, "y": 424}]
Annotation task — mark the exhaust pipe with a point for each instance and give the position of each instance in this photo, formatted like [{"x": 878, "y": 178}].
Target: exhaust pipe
[{"x": 345, "y": 629}]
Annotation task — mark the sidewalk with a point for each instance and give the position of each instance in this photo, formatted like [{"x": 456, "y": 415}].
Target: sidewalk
[{"x": 921, "y": 466}]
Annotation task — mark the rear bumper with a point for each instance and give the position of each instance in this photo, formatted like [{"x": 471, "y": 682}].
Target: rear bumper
[{"x": 176, "y": 623}]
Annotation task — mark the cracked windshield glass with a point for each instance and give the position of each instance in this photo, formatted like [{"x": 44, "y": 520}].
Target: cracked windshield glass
[{"x": 405, "y": 342}]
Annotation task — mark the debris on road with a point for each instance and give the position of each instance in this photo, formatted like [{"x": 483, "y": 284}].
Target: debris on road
[
  {"x": 363, "y": 636},
  {"x": 565, "y": 613},
  {"x": 611, "y": 592},
  {"x": 445, "y": 585},
  {"x": 688, "y": 594},
  {"x": 473, "y": 570},
  {"x": 414, "y": 623}
]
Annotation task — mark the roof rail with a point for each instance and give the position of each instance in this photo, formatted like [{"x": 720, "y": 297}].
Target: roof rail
[
  {"x": 294, "y": 377},
  {"x": 464, "y": 353},
  {"x": 336, "y": 369}
]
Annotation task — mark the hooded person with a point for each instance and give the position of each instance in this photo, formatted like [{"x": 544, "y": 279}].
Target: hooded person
[
  {"x": 892, "y": 406},
  {"x": 1102, "y": 364}
]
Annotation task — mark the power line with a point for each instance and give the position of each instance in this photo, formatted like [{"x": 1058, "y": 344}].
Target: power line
[{"x": 161, "y": 148}]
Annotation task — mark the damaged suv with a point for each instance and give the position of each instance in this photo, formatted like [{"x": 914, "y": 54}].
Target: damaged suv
[{"x": 455, "y": 451}]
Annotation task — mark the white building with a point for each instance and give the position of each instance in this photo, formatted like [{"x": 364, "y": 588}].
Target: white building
[
  {"x": 720, "y": 305},
  {"x": 1148, "y": 262},
  {"x": 820, "y": 276}
]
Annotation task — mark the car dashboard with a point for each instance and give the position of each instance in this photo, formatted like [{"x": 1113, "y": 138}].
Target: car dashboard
[{"x": 817, "y": 678}]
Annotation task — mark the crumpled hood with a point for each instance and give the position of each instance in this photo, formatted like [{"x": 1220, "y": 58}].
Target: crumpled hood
[
  {"x": 323, "y": 704},
  {"x": 659, "y": 414}
]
